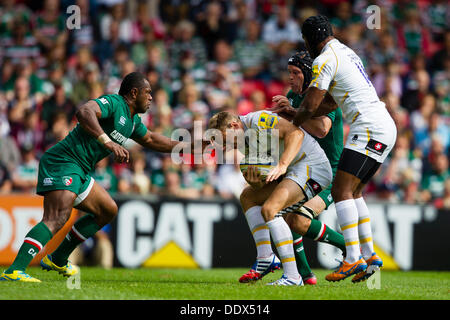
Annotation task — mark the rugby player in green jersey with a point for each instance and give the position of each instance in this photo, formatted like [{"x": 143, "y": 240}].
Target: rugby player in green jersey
[
  {"x": 328, "y": 131},
  {"x": 104, "y": 125}
]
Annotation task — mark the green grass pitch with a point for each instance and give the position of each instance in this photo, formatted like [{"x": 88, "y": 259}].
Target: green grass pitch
[{"x": 220, "y": 284}]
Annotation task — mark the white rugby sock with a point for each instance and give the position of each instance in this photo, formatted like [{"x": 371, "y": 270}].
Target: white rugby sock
[
  {"x": 260, "y": 232},
  {"x": 347, "y": 215},
  {"x": 364, "y": 229},
  {"x": 282, "y": 238}
]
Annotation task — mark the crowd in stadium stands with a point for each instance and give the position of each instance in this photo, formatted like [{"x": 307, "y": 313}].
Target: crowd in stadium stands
[{"x": 204, "y": 56}]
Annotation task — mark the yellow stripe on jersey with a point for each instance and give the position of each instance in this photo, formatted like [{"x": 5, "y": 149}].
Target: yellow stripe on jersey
[
  {"x": 368, "y": 139},
  {"x": 307, "y": 176},
  {"x": 344, "y": 97},
  {"x": 316, "y": 72},
  {"x": 337, "y": 63},
  {"x": 301, "y": 158},
  {"x": 355, "y": 116}
]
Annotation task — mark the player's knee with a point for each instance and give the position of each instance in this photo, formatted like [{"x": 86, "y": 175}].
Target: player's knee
[
  {"x": 56, "y": 220},
  {"x": 246, "y": 199},
  {"x": 268, "y": 211},
  {"x": 110, "y": 210},
  {"x": 341, "y": 194}
]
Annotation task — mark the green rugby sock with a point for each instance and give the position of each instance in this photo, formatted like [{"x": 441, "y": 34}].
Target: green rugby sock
[
  {"x": 319, "y": 231},
  {"x": 300, "y": 256},
  {"x": 34, "y": 241},
  {"x": 84, "y": 228}
]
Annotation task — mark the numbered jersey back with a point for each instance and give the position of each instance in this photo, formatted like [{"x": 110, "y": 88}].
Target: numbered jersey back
[{"x": 340, "y": 71}]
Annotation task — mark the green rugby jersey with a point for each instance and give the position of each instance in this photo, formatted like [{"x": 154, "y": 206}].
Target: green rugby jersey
[
  {"x": 333, "y": 142},
  {"x": 84, "y": 149}
]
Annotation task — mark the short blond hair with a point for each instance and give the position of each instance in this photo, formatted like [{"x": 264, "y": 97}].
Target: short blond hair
[{"x": 221, "y": 120}]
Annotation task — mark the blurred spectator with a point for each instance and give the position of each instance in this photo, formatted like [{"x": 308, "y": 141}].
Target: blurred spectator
[
  {"x": 24, "y": 177},
  {"x": 412, "y": 35},
  {"x": 435, "y": 129},
  {"x": 185, "y": 40},
  {"x": 88, "y": 31},
  {"x": 140, "y": 178},
  {"x": 144, "y": 23},
  {"x": 252, "y": 53},
  {"x": 256, "y": 102},
  {"x": 18, "y": 43},
  {"x": 438, "y": 59},
  {"x": 417, "y": 84},
  {"x": 50, "y": 26},
  {"x": 5, "y": 180},
  {"x": 58, "y": 131},
  {"x": 24, "y": 69},
  {"x": 433, "y": 184},
  {"x": 212, "y": 27},
  {"x": 441, "y": 84},
  {"x": 21, "y": 102},
  {"x": 104, "y": 175},
  {"x": 117, "y": 14},
  {"x": 436, "y": 17},
  {"x": 344, "y": 17},
  {"x": 404, "y": 170},
  {"x": 58, "y": 102},
  {"x": 139, "y": 50},
  {"x": 29, "y": 132},
  {"x": 281, "y": 28},
  {"x": 190, "y": 105}
]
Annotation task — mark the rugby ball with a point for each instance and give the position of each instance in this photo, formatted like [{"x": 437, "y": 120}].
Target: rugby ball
[{"x": 263, "y": 166}]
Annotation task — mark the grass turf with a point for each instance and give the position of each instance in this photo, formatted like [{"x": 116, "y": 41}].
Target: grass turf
[{"x": 220, "y": 284}]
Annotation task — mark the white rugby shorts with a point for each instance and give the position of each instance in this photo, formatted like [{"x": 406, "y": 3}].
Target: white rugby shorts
[
  {"x": 374, "y": 138},
  {"x": 312, "y": 178}
]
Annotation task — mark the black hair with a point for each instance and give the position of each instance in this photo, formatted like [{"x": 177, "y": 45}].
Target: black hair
[
  {"x": 316, "y": 29},
  {"x": 303, "y": 61},
  {"x": 131, "y": 80}
]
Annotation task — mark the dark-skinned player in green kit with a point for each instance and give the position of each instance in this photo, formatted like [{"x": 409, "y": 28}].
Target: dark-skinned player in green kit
[
  {"x": 328, "y": 131},
  {"x": 104, "y": 125}
]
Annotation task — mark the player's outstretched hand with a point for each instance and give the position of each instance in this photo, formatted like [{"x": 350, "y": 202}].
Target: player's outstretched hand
[
  {"x": 120, "y": 153},
  {"x": 275, "y": 173}
]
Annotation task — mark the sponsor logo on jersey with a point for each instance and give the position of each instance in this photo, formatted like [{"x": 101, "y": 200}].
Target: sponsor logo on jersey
[
  {"x": 122, "y": 120},
  {"x": 376, "y": 147},
  {"x": 314, "y": 186},
  {"x": 67, "y": 180},
  {"x": 118, "y": 137},
  {"x": 267, "y": 121},
  {"x": 47, "y": 181},
  {"x": 103, "y": 100}
]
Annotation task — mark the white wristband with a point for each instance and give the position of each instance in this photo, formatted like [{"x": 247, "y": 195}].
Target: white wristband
[{"x": 103, "y": 138}]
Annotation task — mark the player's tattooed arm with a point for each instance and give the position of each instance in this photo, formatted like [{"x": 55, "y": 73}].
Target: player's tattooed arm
[{"x": 310, "y": 104}]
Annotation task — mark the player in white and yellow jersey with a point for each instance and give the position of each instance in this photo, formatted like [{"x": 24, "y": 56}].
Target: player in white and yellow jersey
[
  {"x": 339, "y": 72},
  {"x": 300, "y": 171}
]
